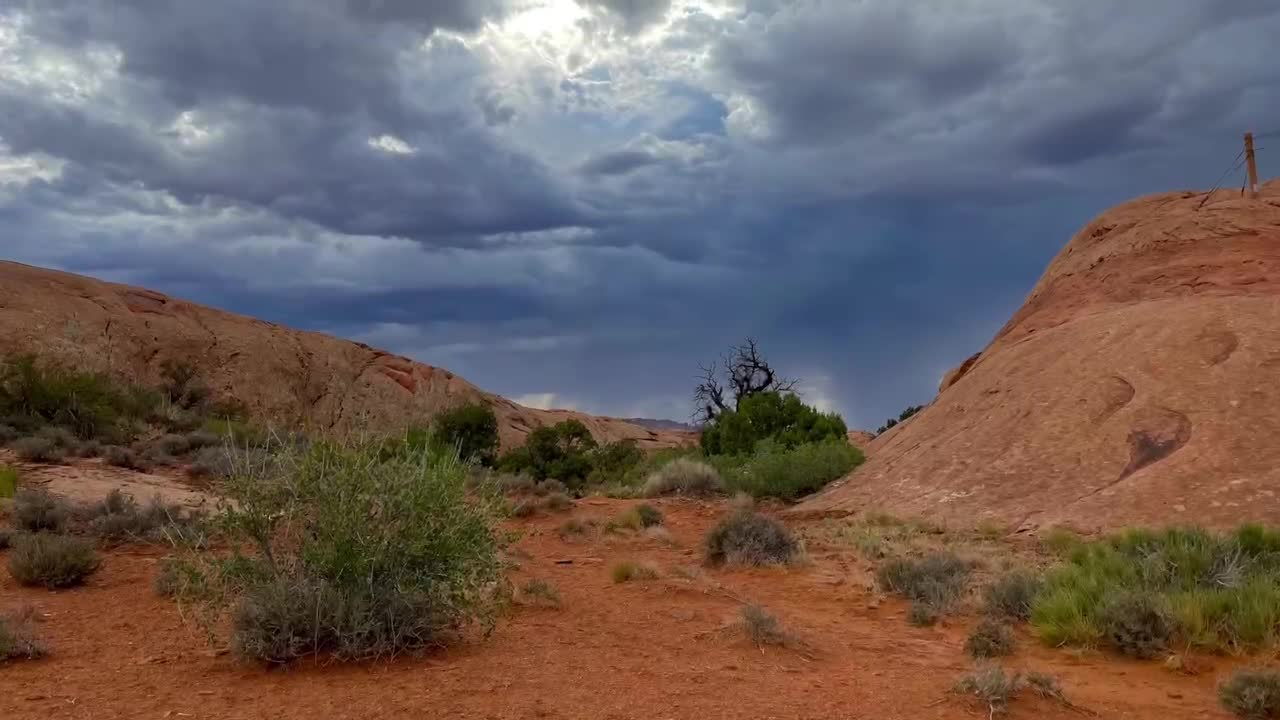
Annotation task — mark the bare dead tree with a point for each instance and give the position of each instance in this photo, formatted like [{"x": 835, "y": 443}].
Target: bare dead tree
[{"x": 746, "y": 372}]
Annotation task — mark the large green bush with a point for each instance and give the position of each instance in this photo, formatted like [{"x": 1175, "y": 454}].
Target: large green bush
[
  {"x": 1141, "y": 590},
  {"x": 776, "y": 471},
  {"x": 562, "y": 451},
  {"x": 472, "y": 429},
  {"x": 356, "y": 553},
  {"x": 777, "y": 416},
  {"x": 89, "y": 404}
]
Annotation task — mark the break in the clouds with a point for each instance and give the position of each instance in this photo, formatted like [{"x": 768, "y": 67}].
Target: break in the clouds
[{"x": 575, "y": 202}]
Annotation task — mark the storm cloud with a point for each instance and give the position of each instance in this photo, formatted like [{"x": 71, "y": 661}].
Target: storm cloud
[{"x": 583, "y": 199}]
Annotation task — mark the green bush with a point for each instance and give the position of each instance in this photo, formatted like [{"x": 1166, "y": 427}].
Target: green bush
[
  {"x": 788, "y": 474},
  {"x": 37, "y": 510},
  {"x": 54, "y": 561},
  {"x": 1253, "y": 694},
  {"x": 1212, "y": 591},
  {"x": 683, "y": 476},
  {"x": 561, "y": 451},
  {"x": 777, "y": 416},
  {"x": 1012, "y": 595},
  {"x": 8, "y": 481},
  {"x": 356, "y": 554},
  {"x": 750, "y": 539},
  {"x": 472, "y": 429},
  {"x": 613, "y": 461},
  {"x": 88, "y": 404},
  {"x": 933, "y": 584},
  {"x": 990, "y": 638}
]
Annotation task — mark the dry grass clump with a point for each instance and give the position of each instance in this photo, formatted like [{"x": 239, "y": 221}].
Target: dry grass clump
[
  {"x": 38, "y": 450},
  {"x": 763, "y": 628},
  {"x": 1251, "y": 693},
  {"x": 1012, "y": 595},
  {"x": 17, "y": 640},
  {"x": 54, "y": 561},
  {"x": 751, "y": 539},
  {"x": 993, "y": 686},
  {"x": 629, "y": 570},
  {"x": 933, "y": 584},
  {"x": 683, "y": 476},
  {"x": 991, "y": 638},
  {"x": 540, "y": 593}
]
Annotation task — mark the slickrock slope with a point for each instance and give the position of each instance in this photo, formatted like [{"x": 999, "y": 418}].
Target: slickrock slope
[
  {"x": 282, "y": 375},
  {"x": 1138, "y": 384}
]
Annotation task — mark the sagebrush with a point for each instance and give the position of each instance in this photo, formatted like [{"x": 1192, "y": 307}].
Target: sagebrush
[
  {"x": 356, "y": 553},
  {"x": 751, "y": 539}
]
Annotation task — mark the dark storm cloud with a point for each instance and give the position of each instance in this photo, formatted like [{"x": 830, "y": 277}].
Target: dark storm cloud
[
  {"x": 293, "y": 92},
  {"x": 869, "y": 187}
]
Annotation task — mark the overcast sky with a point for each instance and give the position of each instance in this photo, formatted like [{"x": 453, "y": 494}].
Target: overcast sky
[{"x": 574, "y": 202}]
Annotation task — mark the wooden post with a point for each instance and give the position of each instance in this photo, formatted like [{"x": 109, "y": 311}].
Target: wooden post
[{"x": 1251, "y": 161}]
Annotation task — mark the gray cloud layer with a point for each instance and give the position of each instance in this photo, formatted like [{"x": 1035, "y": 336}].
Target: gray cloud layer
[{"x": 585, "y": 198}]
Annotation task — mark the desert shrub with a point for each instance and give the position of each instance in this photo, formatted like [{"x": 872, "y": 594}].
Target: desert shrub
[
  {"x": 751, "y": 539},
  {"x": 88, "y": 404},
  {"x": 527, "y": 507},
  {"x": 540, "y": 592},
  {"x": 637, "y": 518},
  {"x": 8, "y": 481},
  {"x": 933, "y": 584},
  {"x": 54, "y": 561},
  {"x": 683, "y": 477},
  {"x": 990, "y": 638},
  {"x": 90, "y": 448},
  {"x": 355, "y": 554},
  {"x": 37, "y": 510},
  {"x": 61, "y": 437},
  {"x": 17, "y": 641},
  {"x": 557, "y": 502},
  {"x": 125, "y": 458},
  {"x": 1251, "y": 693},
  {"x": 38, "y": 449},
  {"x": 776, "y": 471},
  {"x": 550, "y": 487},
  {"x": 990, "y": 684},
  {"x": 516, "y": 484},
  {"x": 1204, "y": 590},
  {"x": 157, "y": 457},
  {"x": 472, "y": 429},
  {"x": 8, "y": 433},
  {"x": 212, "y": 461},
  {"x": 628, "y": 570},
  {"x": 172, "y": 444},
  {"x": 182, "y": 386},
  {"x": 649, "y": 515},
  {"x": 573, "y": 527},
  {"x": 777, "y": 416},
  {"x": 1011, "y": 595},
  {"x": 1136, "y": 624},
  {"x": 120, "y": 517},
  {"x": 763, "y": 628}
]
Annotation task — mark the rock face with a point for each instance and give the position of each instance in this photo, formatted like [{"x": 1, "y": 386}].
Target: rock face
[
  {"x": 1138, "y": 385},
  {"x": 282, "y": 375}
]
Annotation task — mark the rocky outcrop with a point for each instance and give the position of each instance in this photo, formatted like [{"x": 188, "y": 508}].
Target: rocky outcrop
[
  {"x": 1138, "y": 384},
  {"x": 284, "y": 376}
]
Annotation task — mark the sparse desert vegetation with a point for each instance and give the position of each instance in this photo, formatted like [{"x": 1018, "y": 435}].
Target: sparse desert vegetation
[{"x": 18, "y": 640}]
